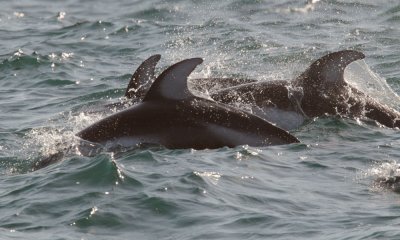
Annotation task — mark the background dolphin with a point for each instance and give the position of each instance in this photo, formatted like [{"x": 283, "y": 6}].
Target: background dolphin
[
  {"x": 320, "y": 90},
  {"x": 142, "y": 78}
]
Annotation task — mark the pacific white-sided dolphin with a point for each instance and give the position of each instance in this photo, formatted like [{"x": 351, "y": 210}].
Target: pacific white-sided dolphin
[
  {"x": 389, "y": 182},
  {"x": 171, "y": 116},
  {"x": 319, "y": 91},
  {"x": 144, "y": 76}
]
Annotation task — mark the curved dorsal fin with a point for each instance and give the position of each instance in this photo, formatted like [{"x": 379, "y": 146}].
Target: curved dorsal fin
[
  {"x": 172, "y": 83},
  {"x": 142, "y": 77},
  {"x": 330, "y": 68}
]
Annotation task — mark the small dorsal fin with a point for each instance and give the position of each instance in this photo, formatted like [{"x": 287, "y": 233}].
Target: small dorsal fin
[
  {"x": 142, "y": 78},
  {"x": 330, "y": 68},
  {"x": 172, "y": 83}
]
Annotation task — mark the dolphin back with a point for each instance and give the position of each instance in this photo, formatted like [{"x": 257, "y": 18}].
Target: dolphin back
[
  {"x": 329, "y": 70},
  {"x": 142, "y": 78}
]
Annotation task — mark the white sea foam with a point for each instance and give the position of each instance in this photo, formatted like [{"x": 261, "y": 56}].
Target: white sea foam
[{"x": 58, "y": 135}]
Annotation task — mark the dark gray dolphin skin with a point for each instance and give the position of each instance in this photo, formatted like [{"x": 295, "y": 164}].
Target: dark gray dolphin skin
[
  {"x": 320, "y": 90},
  {"x": 142, "y": 78},
  {"x": 171, "y": 116},
  {"x": 138, "y": 85}
]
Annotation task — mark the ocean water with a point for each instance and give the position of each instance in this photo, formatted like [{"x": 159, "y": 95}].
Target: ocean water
[{"x": 61, "y": 60}]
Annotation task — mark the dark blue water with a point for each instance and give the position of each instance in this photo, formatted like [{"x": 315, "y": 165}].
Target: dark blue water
[{"x": 58, "y": 60}]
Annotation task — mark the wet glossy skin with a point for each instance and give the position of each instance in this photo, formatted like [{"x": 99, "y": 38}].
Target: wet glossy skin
[{"x": 193, "y": 123}]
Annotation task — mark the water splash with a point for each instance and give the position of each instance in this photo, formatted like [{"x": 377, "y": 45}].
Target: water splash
[
  {"x": 58, "y": 135},
  {"x": 360, "y": 75},
  {"x": 385, "y": 175}
]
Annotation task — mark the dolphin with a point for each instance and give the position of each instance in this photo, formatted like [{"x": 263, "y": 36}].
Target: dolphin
[
  {"x": 144, "y": 76},
  {"x": 390, "y": 182},
  {"x": 170, "y": 115},
  {"x": 320, "y": 90},
  {"x": 137, "y": 88}
]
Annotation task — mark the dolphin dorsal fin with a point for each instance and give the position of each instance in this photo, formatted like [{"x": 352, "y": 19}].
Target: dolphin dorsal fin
[
  {"x": 330, "y": 68},
  {"x": 172, "y": 83},
  {"x": 142, "y": 77}
]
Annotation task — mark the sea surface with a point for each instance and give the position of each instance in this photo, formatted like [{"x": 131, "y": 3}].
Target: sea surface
[{"x": 61, "y": 60}]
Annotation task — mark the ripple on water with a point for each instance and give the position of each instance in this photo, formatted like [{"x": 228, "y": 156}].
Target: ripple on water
[{"x": 55, "y": 60}]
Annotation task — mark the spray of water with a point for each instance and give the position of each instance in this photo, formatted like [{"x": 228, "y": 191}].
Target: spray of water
[
  {"x": 360, "y": 75},
  {"x": 58, "y": 135},
  {"x": 385, "y": 175}
]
